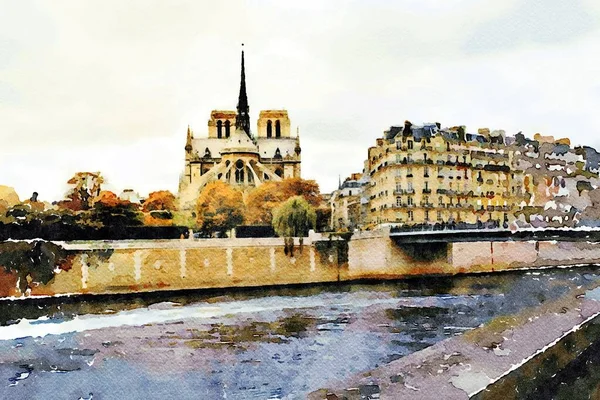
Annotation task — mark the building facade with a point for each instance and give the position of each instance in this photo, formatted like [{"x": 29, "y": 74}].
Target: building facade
[
  {"x": 427, "y": 176},
  {"x": 231, "y": 153}
]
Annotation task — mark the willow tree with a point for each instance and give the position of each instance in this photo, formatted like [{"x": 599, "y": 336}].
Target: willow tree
[{"x": 294, "y": 218}]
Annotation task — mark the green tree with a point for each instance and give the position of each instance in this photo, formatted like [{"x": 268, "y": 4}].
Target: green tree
[
  {"x": 294, "y": 218},
  {"x": 31, "y": 261}
]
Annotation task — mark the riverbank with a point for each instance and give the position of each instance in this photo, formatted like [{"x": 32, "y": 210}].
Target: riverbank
[
  {"x": 500, "y": 360},
  {"x": 135, "y": 266},
  {"x": 281, "y": 343}
]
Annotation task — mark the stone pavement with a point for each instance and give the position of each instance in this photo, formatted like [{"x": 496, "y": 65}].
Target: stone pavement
[{"x": 464, "y": 366}]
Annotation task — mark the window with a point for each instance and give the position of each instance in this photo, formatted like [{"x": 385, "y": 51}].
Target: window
[
  {"x": 398, "y": 187},
  {"x": 410, "y": 144},
  {"x": 219, "y": 129},
  {"x": 439, "y": 216},
  {"x": 426, "y": 215},
  {"x": 279, "y": 172},
  {"x": 410, "y": 186},
  {"x": 426, "y": 199},
  {"x": 398, "y": 201},
  {"x": 410, "y": 200},
  {"x": 409, "y": 172},
  {"x": 239, "y": 171},
  {"x": 411, "y": 216},
  {"x": 426, "y": 172},
  {"x": 269, "y": 129},
  {"x": 440, "y": 200},
  {"x": 277, "y": 129},
  {"x": 227, "y": 128}
]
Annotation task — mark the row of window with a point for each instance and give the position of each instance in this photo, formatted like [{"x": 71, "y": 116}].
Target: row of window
[{"x": 224, "y": 129}]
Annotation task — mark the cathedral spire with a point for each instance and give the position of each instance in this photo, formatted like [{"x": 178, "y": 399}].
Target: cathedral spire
[
  {"x": 242, "y": 119},
  {"x": 188, "y": 141}
]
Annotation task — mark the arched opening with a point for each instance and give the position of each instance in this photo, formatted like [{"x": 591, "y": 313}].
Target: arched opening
[
  {"x": 277, "y": 129},
  {"x": 250, "y": 175},
  {"x": 239, "y": 171},
  {"x": 277, "y": 154},
  {"x": 269, "y": 129},
  {"x": 279, "y": 172},
  {"x": 219, "y": 129},
  {"x": 207, "y": 153},
  {"x": 227, "y": 128}
]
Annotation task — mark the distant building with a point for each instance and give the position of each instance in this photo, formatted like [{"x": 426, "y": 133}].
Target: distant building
[
  {"x": 231, "y": 153},
  {"x": 130, "y": 196},
  {"x": 425, "y": 176}
]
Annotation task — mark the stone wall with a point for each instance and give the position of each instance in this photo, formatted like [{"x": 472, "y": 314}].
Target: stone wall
[{"x": 137, "y": 266}]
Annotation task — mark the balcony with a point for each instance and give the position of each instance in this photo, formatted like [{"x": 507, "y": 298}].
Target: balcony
[
  {"x": 426, "y": 191},
  {"x": 426, "y": 205}
]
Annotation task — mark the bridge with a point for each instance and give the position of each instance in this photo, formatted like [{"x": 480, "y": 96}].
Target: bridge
[{"x": 495, "y": 235}]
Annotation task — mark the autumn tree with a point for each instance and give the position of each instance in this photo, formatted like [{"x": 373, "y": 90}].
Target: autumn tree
[
  {"x": 158, "y": 208},
  {"x": 220, "y": 208},
  {"x": 263, "y": 200},
  {"x": 110, "y": 210},
  {"x": 85, "y": 187},
  {"x": 160, "y": 200}
]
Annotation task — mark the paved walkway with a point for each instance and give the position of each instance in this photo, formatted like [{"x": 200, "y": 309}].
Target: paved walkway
[{"x": 460, "y": 367}]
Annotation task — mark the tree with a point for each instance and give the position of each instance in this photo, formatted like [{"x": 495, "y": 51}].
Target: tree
[
  {"x": 220, "y": 208},
  {"x": 160, "y": 200},
  {"x": 85, "y": 187},
  {"x": 32, "y": 261},
  {"x": 263, "y": 200},
  {"x": 294, "y": 218},
  {"x": 111, "y": 211}
]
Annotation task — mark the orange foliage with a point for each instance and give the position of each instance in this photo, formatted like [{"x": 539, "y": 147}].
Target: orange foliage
[
  {"x": 107, "y": 198},
  {"x": 263, "y": 200},
  {"x": 220, "y": 207},
  {"x": 160, "y": 200}
]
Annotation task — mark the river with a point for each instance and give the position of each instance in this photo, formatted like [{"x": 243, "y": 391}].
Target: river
[{"x": 252, "y": 344}]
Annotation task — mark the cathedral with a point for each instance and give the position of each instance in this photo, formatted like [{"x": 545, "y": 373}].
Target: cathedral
[{"x": 233, "y": 154}]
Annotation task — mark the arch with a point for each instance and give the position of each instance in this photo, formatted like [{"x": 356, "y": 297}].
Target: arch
[
  {"x": 269, "y": 129},
  {"x": 279, "y": 172},
  {"x": 207, "y": 153},
  {"x": 227, "y": 128},
  {"x": 277, "y": 129},
  {"x": 277, "y": 153},
  {"x": 219, "y": 129},
  {"x": 239, "y": 171}
]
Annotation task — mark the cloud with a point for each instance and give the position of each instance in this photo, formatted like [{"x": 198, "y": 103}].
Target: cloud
[
  {"x": 533, "y": 22},
  {"x": 112, "y": 86}
]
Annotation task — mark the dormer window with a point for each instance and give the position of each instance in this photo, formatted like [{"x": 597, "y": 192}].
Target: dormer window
[
  {"x": 207, "y": 153},
  {"x": 277, "y": 154}
]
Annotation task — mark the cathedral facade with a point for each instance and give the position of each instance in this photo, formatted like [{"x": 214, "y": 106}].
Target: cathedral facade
[{"x": 231, "y": 153}]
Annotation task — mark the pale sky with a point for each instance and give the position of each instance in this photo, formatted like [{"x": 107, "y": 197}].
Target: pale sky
[{"x": 111, "y": 86}]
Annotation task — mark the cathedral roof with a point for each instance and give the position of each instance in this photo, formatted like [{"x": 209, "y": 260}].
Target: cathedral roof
[{"x": 239, "y": 142}]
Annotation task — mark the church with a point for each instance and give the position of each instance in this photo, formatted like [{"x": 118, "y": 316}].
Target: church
[{"x": 233, "y": 154}]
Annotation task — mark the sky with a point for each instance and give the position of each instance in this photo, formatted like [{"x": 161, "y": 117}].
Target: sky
[{"x": 111, "y": 86}]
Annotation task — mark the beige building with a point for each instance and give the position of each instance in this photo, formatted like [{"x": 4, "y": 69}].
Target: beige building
[
  {"x": 428, "y": 175},
  {"x": 232, "y": 153}
]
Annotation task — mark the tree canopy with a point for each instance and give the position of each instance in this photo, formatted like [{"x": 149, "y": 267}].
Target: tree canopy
[
  {"x": 294, "y": 218},
  {"x": 220, "y": 208},
  {"x": 262, "y": 201},
  {"x": 36, "y": 260},
  {"x": 159, "y": 200}
]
